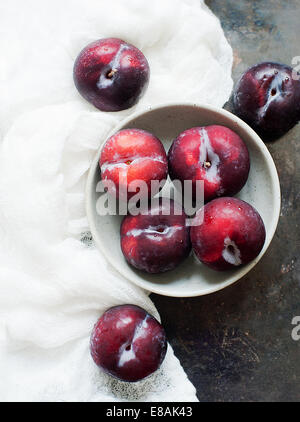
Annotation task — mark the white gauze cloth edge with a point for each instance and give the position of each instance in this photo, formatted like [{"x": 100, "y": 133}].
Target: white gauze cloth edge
[{"x": 53, "y": 285}]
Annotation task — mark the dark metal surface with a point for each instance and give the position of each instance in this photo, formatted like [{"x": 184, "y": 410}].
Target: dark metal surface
[{"x": 236, "y": 345}]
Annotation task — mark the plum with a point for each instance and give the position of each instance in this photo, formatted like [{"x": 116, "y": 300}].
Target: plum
[
  {"x": 157, "y": 239},
  {"x": 111, "y": 74},
  {"x": 232, "y": 233},
  {"x": 130, "y": 156},
  {"x": 214, "y": 154},
  {"x": 267, "y": 97},
  {"x": 128, "y": 343}
]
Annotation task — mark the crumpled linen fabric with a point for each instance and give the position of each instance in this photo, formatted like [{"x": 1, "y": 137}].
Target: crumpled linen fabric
[{"x": 54, "y": 283}]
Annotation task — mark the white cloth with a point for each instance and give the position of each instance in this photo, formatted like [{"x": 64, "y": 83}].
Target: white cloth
[{"x": 53, "y": 285}]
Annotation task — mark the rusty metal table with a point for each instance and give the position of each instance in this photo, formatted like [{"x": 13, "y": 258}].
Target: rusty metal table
[{"x": 236, "y": 345}]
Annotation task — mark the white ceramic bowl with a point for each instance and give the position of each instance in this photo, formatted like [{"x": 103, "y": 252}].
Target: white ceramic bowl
[{"x": 262, "y": 190}]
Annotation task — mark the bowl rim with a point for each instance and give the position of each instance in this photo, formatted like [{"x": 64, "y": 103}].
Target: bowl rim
[{"x": 275, "y": 187}]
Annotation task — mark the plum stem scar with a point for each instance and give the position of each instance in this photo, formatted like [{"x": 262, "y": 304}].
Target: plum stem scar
[{"x": 111, "y": 73}]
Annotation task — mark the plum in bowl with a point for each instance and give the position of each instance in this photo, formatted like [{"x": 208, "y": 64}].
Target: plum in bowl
[
  {"x": 157, "y": 239},
  {"x": 231, "y": 234},
  {"x": 131, "y": 159},
  {"x": 214, "y": 154}
]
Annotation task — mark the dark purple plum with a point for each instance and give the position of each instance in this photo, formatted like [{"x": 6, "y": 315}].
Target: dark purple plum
[
  {"x": 232, "y": 233},
  {"x": 111, "y": 74},
  {"x": 128, "y": 343},
  {"x": 157, "y": 239},
  {"x": 267, "y": 97},
  {"x": 214, "y": 154},
  {"x": 131, "y": 155}
]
